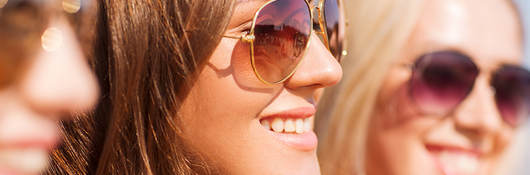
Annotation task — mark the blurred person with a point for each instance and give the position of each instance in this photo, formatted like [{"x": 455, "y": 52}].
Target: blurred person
[
  {"x": 436, "y": 87},
  {"x": 207, "y": 87},
  {"x": 44, "y": 78}
]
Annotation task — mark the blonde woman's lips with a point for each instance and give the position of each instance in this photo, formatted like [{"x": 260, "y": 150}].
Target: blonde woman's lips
[
  {"x": 293, "y": 128},
  {"x": 27, "y": 153},
  {"x": 454, "y": 160}
]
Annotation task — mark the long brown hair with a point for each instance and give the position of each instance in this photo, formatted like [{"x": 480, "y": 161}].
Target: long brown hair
[{"x": 147, "y": 54}]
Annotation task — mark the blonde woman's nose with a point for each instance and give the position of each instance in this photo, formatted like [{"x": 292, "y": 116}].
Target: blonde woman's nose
[
  {"x": 317, "y": 69},
  {"x": 478, "y": 112},
  {"x": 59, "y": 79}
]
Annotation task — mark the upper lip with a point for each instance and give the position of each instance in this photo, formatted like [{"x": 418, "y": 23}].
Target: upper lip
[
  {"x": 41, "y": 144},
  {"x": 301, "y": 112},
  {"x": 47, "y": 141}
]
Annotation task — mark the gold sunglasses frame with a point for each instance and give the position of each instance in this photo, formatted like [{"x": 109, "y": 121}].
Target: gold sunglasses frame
[{"x": 250, "y": 37}]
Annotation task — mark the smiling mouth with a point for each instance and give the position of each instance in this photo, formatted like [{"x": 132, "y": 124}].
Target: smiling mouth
[
  {"x": 455, "y": 161},
  {"x": 293, "y": 128},
  {"x": 288, "y": 125}
]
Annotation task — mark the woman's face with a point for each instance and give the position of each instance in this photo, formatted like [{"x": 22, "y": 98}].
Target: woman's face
[
  {"x": 470, "y": 139},
  {"x": 54, "y": 83},
  {"x": 225, "y": 115}
]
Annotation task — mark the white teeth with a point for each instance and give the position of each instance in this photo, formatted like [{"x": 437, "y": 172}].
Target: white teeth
[
  {"x": 266, "y": 124},
  {"x": 458, "y": 163},
  {"x": 277, "y": 125},
  {"x": 299, "y": 126},
  {"x": 308, "y": 123},
  {"x": 289, "y": 125},
  {"x": 31, "y": 161}
]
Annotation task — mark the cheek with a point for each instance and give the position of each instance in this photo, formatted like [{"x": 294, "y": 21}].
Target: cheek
[
  {"x": 395, "y": 140},
  {"x": 394, "y": 104},
  {"x": 219, "y": 116},
  {"x": 504, "y": 139},
  {"x": 219, "y": 98},
  {"x": 219, "y": 105},
  {"x": 397, "y": 146}
]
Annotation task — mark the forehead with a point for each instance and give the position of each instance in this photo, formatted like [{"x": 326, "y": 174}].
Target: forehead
[{"x": 487, "y": 30}]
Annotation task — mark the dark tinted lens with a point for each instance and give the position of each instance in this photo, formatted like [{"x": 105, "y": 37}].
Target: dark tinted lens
[
  {"x": 332, "y": 17},
  {"x": 282, "y": 32},
  {"x": 512, "y": 93},
  {"x": 441, "y": 80}
]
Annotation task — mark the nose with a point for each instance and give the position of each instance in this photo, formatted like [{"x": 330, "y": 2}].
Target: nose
[
  {"x": 318, "y": 68},
  {"x": 59, "y": 81},
  {"x": 478, "y": 112}
]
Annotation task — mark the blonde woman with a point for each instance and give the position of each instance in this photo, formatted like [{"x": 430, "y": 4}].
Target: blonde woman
[{"x": 435, "y": 87}]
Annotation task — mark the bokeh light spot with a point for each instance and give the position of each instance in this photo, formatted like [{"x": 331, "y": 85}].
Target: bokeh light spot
[
  {"x": 52, "y": 39},
  {"x": 71, "y": 6},
  {"x": 3, "y": 3}
]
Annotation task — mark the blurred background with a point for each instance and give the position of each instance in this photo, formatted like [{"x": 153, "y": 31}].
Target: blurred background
[{"x": 523, "y": 145}]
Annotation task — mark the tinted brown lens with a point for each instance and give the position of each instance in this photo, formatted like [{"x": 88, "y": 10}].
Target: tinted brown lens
[
  {"x": 332, "y": 17},
  {"x": 281, "y": 33}
]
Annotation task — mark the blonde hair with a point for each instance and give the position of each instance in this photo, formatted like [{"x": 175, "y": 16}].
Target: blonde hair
[{"x": 377, "y": 30}]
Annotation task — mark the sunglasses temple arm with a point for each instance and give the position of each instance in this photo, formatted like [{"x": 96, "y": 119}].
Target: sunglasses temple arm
[
  {"x": 324, "y": 38},
  {"x": 233, "y": 37}
]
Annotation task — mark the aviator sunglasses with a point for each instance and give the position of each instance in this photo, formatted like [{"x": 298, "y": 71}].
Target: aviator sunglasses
[
  {"x": 280, "y": 33},
  {"x": 442, "y": 80}
]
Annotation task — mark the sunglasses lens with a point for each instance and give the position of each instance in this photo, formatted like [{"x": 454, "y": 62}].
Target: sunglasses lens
[
  {"x": 333, "y": 27},
  {"x": 281, "y": 33},
  {"x": 512, "y": 93},
  {"x": 441, "y": 80}
]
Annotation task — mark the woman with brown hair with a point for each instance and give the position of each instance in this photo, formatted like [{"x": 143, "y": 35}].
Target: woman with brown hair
[{"x": 207, "y": 87}]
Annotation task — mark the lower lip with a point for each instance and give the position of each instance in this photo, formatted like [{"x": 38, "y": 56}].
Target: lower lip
[
  {"x": 304, "y": 142},
  {"x": 438, "y": 163}
]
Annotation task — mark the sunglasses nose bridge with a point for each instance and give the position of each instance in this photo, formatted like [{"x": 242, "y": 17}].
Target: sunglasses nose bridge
[{"x": 478, "y": 109}]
